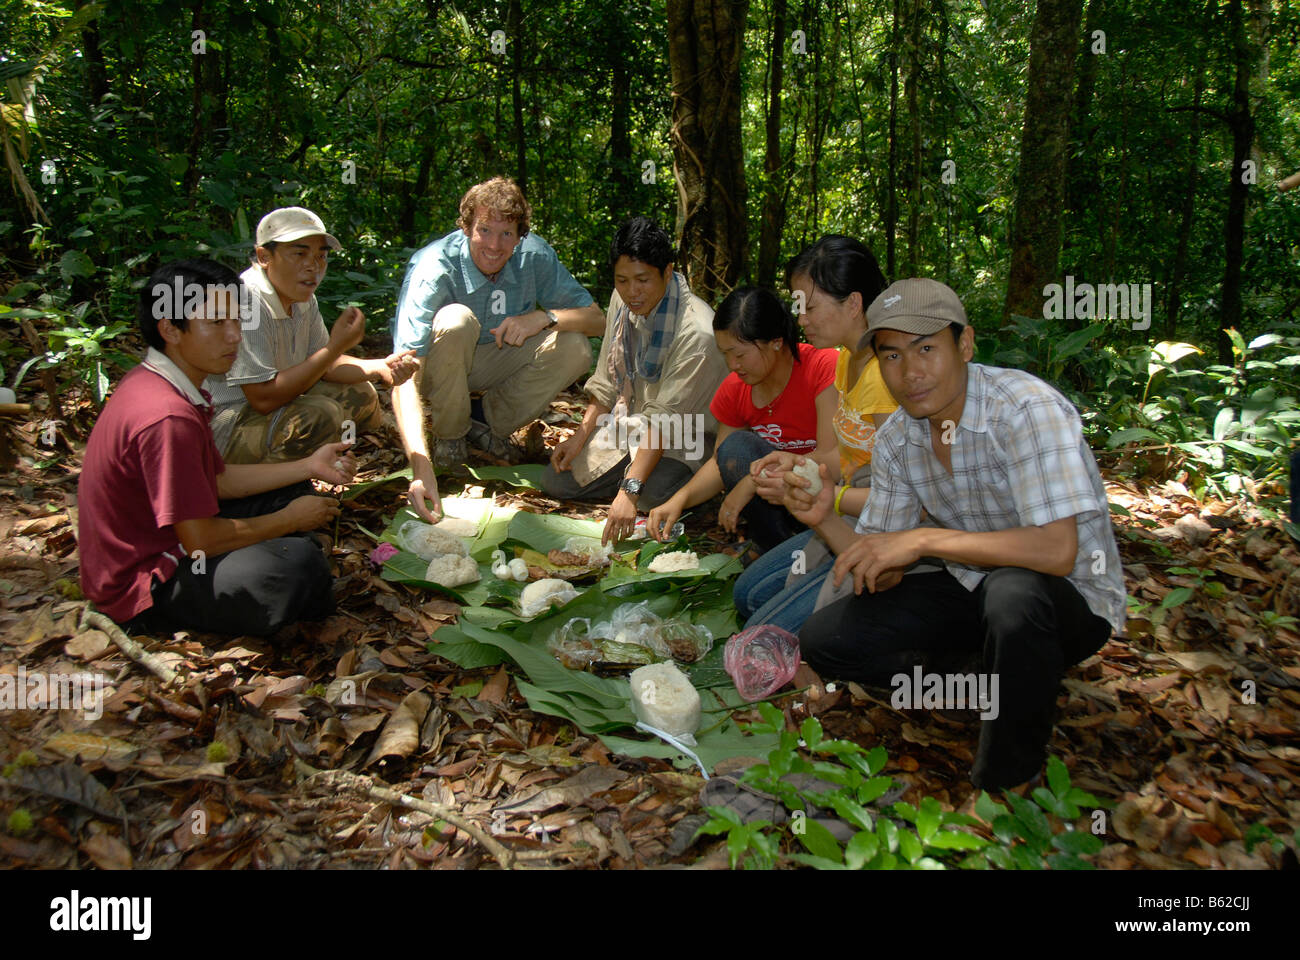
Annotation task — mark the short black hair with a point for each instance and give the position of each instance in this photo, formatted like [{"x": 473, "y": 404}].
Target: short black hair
[
  {"x": 954, "y": 328},
  {"x": 756, "y": 313},
  {"x": 642, "y": 239},
  {"x": 839, "y": 265},
  {"x": 159, "y": 299}
]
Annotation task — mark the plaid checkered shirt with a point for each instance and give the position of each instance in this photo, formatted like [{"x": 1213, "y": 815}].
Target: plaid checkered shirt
[{"x": 1018, "y": 459}]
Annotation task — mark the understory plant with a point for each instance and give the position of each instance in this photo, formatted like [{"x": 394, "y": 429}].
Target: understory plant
[{"x": 1026, "y": 834}]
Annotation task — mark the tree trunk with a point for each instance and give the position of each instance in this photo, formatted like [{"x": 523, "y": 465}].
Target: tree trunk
[
  {"x": 620, "y": 140},
  {"x": 769, "y": 236},
  {"x": 197, "y": 22},
  {"x": 1040, "y": 191},
  {"x": 1082, "y": 179},
  {"x": 891, "y": 204},
  {"x": 912, "y": 266},
  {"x": 1187, "y": 214},
  {"x": 96, "y": 76},
  {"x": 514, "y": 25},
  {"x": 1242, "y": 124},
  {"x": 704, "y": 44}
]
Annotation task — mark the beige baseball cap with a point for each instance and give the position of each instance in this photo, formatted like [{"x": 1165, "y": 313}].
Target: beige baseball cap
[
  {"x": 917, "y": 306},
  {"x": 292, "y": 223}
]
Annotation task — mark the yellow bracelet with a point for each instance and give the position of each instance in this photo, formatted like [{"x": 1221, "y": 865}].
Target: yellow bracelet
[{"x": 839, "y": 496}]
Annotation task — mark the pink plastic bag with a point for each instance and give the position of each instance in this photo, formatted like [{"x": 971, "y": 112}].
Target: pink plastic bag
[{"x": 761, "y": 660}]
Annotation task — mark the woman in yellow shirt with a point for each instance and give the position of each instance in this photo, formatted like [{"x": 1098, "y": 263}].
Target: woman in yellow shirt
[{"x": 832, "y": 281}]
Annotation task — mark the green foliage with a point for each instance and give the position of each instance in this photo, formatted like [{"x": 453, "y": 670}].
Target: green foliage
[
  {"x": 898, "y": 836},
  {"x": 20, "y": 822},
  {"x": 1229, "y": 426},
  {"x": 1258, "y": 833}
]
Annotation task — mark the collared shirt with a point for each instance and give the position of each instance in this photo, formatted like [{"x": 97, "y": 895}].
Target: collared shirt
[
  {"x": 444, "y": 272},
  {"x": 692, "y": 369},
  {"x": 273, "y": 340},
  {"x": 149, "y": 464},
  {"x": 1018, "y": 459},
  {"x": 161, "y": 364}
]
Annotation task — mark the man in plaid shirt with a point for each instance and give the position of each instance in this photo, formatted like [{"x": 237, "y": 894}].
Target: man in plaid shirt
[{"x": 985, "y": 471}]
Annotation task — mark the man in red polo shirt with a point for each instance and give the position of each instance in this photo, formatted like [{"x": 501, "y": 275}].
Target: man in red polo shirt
[{"x": 170, "y": 536}]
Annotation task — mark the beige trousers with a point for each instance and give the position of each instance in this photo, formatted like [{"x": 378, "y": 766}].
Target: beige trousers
[
  {"x": 297, "y": 429},
  {"x": 517, "y": 383}
]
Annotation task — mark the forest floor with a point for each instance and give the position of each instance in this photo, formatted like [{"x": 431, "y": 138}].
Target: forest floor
[{"x": 215, "y": 769}]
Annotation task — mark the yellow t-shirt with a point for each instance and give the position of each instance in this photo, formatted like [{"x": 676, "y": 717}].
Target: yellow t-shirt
[{"x": 854, "y": 429}]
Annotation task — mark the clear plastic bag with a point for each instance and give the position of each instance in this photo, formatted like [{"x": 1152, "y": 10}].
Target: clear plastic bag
[
  {"x": 633, "y": 635},
  {"x": 574, "y": 646},
  {"x": 684, "y": 642},
  {"x": 761, "y": 660},
  {"x": 630, "y": 623}
]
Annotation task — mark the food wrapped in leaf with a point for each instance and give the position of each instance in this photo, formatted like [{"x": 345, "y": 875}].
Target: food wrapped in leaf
[{"x": 631, "y": 654}]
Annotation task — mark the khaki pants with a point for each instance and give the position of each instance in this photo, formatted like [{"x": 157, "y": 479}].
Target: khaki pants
[
  {"x": 297, "y": 429},
  {"x": 517, "y": 383}
]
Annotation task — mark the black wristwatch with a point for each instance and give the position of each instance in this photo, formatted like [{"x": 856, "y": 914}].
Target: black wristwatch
[{"x": 631, "y": 486}]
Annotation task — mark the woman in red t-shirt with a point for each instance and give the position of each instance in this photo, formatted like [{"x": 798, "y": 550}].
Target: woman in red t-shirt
[{"x": 779, "y": 396}]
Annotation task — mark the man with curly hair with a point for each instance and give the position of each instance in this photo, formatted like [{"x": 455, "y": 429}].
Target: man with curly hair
[{"x": 488, "y": 309}]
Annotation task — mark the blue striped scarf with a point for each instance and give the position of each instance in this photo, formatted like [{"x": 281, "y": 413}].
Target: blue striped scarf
[{"x": 632, "y": 356}]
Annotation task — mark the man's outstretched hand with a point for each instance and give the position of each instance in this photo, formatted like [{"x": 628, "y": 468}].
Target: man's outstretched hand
[
  {"x": 423, "y": 491},
  {"x": 333, "y": 463}
]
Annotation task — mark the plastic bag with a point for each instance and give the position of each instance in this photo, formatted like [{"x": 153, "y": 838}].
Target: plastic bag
[
  {"x": 427, "y": 541},
  {"x": 630, "y": 623},
  {"x": 574, "y": 646},
  {"x": 761, "y": 660},
  {"x": 579, "y": 646},
  {"x": 684, "y": 642}
]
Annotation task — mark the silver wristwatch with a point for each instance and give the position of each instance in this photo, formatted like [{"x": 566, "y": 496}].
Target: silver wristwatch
[{"x": 631, "y": 486}]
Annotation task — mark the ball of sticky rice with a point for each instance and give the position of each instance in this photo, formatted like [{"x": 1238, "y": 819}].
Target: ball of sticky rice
[
  {"x": 428, "y": 541},
  {"x": 458, "y": 526},
  {"x": 808, "y": 470},
  {"x": 450, "y": 570},
  {"x": 674, "y": 561},
  {"x": 541, "y": 594},
  {"x": 663, "y": 697}
]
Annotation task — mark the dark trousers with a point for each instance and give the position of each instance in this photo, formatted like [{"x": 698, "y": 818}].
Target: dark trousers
[
  {"x": 1025, "y": 627},
  {"x": 665, "y": 479},
  {"x": 253, "y": 591},
  {"x": 768, "y": 524}
]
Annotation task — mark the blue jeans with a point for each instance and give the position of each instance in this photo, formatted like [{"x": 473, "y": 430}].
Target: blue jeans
[
  {"x": 761, "y": 595},
  {"x": 768, "y": 524}
]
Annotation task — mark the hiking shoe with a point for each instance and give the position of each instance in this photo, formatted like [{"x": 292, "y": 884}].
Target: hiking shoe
[
  {"x": 450, "y": 454},
  {"x": 482, "y": 437}
]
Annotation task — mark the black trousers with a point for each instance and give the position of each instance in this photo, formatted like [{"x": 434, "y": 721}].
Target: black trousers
[
  {"x": 665, "y": 479},
  {"x": 768, "y": 524},
  {"x": 252, "y": 591},
  {"x": 1023, "y": 626}
]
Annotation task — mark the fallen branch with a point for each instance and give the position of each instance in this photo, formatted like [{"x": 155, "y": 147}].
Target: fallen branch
[
  {"x": 128, "y": 646},
  {"x": 341, "y": 779}
]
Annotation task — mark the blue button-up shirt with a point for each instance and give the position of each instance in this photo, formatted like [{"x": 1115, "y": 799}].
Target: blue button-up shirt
[{"x": 443, "y": 272}]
